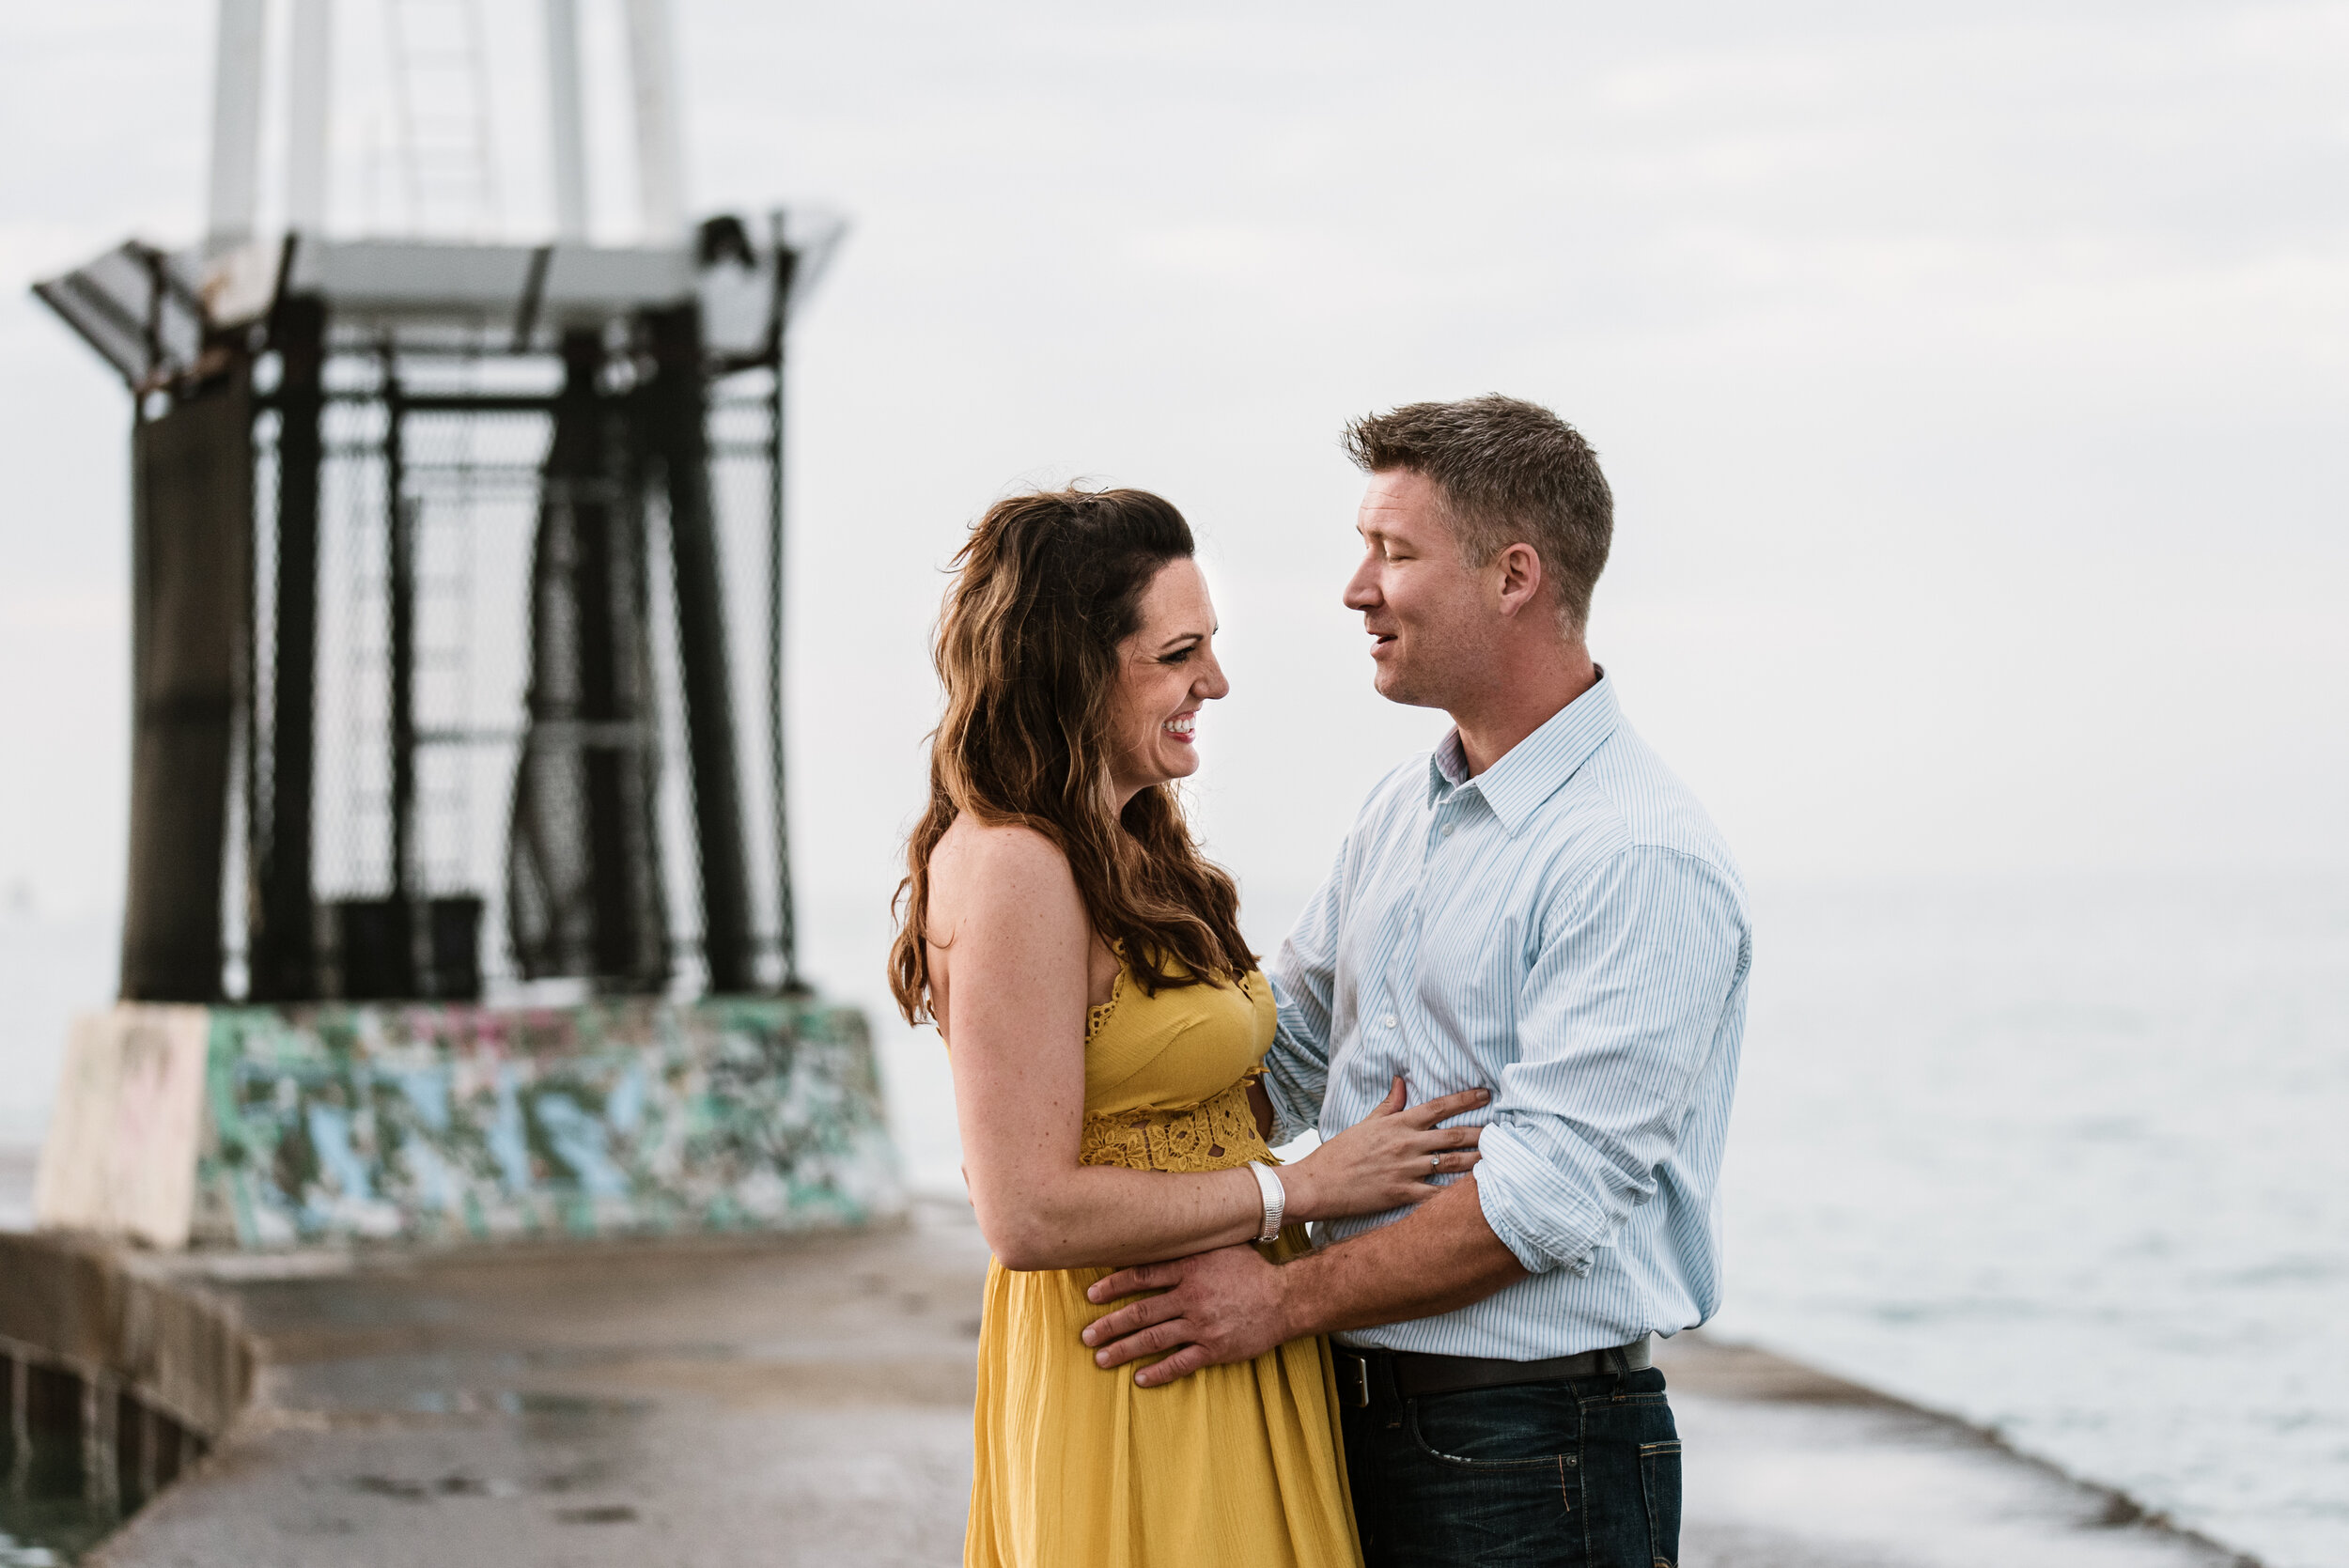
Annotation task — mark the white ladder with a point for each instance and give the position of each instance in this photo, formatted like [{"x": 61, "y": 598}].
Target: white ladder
[{"x": 439, "y": 82}]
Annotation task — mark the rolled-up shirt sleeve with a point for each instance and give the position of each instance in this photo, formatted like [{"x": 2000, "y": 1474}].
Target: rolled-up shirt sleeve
[
  {"x": 1620, "y": 1011},
  {"x": 1304, "y": 982}
]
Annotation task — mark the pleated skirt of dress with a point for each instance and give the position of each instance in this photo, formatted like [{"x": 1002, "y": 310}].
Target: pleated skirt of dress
[{"x": 1239, "y": 1466}]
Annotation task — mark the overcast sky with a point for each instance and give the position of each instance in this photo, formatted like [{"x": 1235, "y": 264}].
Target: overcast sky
[{"x": 1972, "y": 380}]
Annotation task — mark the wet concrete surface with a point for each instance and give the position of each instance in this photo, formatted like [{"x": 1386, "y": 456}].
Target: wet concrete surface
[
  {"x": 785, "y": 1401},
  {"x": 1787, "y": 1467},
  {"x": 803, "y": 1400}
]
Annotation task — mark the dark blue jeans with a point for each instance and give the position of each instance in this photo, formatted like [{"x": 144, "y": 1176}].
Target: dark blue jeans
[{"x": 1579, "y": 1474}]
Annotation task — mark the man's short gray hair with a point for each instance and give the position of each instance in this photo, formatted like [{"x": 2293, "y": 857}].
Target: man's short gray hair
[{"x": 1509, "y": 472}]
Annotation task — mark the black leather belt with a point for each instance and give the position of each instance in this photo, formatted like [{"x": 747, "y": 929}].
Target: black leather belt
[{"x": 1367, "y": 1377}]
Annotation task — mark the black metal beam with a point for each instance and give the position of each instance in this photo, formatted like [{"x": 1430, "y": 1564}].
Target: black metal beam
[
  {"x": 399, "y": 592},
  {"x": 786, "y": 913},
  {"x": 676, "y": 410},
  {"x": 461, "y": 402},
  {"x": 605, "y": 550},
  {"x": 192, "y": 551},
  {"x": 284, "y": 953}
]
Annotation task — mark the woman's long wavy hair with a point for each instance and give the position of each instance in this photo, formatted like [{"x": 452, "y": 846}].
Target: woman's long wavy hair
[{"x": 1045, "y": 589}]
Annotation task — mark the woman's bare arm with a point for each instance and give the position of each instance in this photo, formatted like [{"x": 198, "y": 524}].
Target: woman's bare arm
[
  {"x": 1013, "y": 978},
  {"x": 1009, "y": 981}
]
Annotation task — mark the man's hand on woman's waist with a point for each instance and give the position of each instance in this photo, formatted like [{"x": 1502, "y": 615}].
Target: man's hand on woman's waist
[{"x": 1231, "y": 1305}]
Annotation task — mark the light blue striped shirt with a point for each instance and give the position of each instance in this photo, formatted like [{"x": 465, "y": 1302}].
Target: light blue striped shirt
[{"x": 1568, "y": 929}]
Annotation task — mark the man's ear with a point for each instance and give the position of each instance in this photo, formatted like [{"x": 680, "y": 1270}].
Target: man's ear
[{"x": 1520, "y": 578}]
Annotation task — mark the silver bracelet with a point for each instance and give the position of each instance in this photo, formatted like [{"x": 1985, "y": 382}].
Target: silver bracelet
[{"x": 1275, "y": 1196}]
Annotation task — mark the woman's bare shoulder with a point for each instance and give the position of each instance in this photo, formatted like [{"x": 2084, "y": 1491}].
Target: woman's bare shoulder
[{"x": 998, "y": 863}]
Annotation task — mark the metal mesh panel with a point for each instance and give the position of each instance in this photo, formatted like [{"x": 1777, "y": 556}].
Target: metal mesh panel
[
  {"x": 473, "y": 481},
  {"x": 673, "y": 796},
  {"x": 240, "y": 888},
  {"x": 498, "y": 526},
  {"x": 584, "y": 862},
  {"x": 741, "y": 431},
  {"x": 354, "y": 794}
]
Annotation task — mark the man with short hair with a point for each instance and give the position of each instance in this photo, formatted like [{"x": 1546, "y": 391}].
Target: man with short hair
[{"x": 1541, "y": 908}]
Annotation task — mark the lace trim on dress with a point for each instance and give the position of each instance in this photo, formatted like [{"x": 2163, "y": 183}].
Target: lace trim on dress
[
  {"x": 1216, "y": 1134},
  {"x": 1096, "y": 1016}
]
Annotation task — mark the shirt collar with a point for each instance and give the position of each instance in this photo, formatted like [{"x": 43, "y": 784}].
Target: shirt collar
[{"x": 1533, "y": 769}]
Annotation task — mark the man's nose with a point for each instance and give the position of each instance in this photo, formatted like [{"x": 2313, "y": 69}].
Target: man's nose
[{"x": 1361, "y": 589}]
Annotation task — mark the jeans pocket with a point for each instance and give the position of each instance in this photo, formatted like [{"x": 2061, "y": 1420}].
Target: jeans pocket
[
  {"x": 1498, "y": 1429},
  {"x": 1659, "y": 1487}
]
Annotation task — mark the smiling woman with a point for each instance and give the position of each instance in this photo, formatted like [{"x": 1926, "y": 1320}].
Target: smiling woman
[
  {"x": 1168, "y": 670},
  {"x": 1077, "y": 632},
  {"x": 1107, "y": 1027}
]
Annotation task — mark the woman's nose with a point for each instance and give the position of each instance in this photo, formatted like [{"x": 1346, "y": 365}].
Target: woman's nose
[{"x": 1212, "y": 683}]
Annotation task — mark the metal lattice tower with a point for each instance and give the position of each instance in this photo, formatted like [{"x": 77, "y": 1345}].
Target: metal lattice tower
[{"x": 434, "y": 653}]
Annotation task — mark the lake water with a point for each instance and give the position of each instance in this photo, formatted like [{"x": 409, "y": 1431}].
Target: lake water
[{"x": 2069, "y": 1159}]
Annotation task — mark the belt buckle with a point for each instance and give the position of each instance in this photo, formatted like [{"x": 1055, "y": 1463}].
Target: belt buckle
[{"x": 1359, "y": 1393}]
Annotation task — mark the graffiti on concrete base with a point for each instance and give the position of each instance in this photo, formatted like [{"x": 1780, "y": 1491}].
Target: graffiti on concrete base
[{"x": 452, "y": 1123}]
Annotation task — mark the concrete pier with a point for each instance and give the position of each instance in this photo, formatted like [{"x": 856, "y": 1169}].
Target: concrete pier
[
  {"x": 1788, "y": 1467},
  {"x": 805, "y": 1400},
  {"x": 784, "y": 1400}
]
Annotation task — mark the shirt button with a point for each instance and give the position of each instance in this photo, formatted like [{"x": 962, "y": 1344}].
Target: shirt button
[
  {"x": 1448, "y": 827},
  {"x": 1390, "y": 1020}
]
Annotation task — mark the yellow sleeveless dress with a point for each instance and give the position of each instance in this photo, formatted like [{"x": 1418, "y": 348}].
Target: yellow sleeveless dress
[{"x": 1235, "y": 1467}]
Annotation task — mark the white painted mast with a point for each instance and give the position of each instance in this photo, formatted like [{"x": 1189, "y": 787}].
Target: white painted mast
[
  {"x": 566, "y": 121},
  {"x": 310, "y": 69},
  {"x": 232, "y": 201},
  {"x": 659, "y": 146}
]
